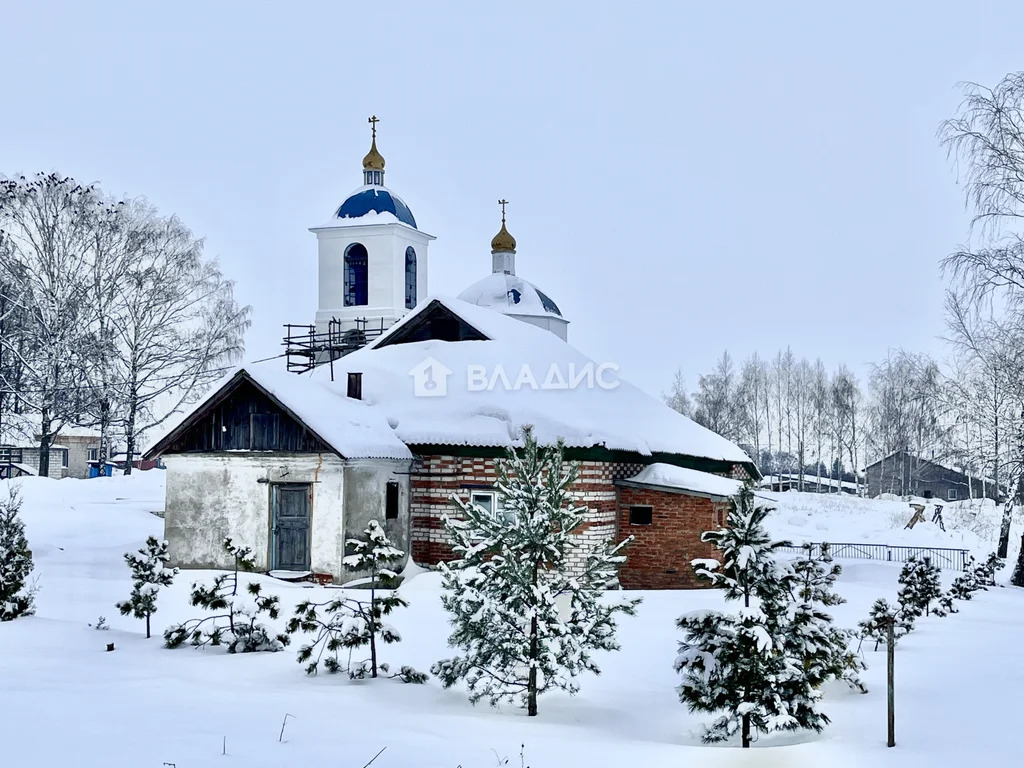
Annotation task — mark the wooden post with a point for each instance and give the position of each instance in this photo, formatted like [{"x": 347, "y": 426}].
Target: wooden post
[{"x": 891, "y": 654}]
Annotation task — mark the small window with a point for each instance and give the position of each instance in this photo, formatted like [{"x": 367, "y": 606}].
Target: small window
[
  {"x": 410, "y": 278},
  {"x": 485, "y": 500},
  {"x": 64, "y": 457},
  {"x": 356, "y": 290},
  {"x": 951, "y": 494},
  {"x": 641, "y": 515},
  {"x": 719, "y": 517},
  {"x": 391, "y": 501},
  {"x": 94, "y": 454}
]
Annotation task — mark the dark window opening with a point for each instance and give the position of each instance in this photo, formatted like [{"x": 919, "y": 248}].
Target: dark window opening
[
  {"x": 391, "y": 501},
  {"x": 410, "y": 278},
  {"x": 951, "y": 494},
  {"x": 641, "y": 515},
  {"x": 64, "y": 458},
  {"x": 356, "y": 291}
]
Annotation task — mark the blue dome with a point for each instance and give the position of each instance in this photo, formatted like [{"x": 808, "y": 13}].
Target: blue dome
[{"x": 379, "y": 200}]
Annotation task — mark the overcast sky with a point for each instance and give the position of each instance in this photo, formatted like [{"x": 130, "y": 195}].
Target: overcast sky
[{"x": 683, "y": 178}]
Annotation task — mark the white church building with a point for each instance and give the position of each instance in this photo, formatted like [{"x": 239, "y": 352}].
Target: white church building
[{"x": 395, "y": 400}]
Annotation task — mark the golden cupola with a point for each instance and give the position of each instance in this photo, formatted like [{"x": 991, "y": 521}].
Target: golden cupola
[
  {"x": 503, "y": 242},
  {"x": 373, "y": 163}
]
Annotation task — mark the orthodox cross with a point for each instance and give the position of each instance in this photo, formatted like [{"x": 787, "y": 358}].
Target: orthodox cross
[
  {"x": 373, "y": 120},
  {"x": 503, "y": 203}
]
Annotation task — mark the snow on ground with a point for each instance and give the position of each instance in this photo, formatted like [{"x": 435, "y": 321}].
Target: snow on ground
[{"x": 64, "y": 701}]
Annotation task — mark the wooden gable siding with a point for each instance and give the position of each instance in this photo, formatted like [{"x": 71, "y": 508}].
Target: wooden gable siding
[
  {"x": 434, "y": 323},
  {"x": 253, "y": 422}
]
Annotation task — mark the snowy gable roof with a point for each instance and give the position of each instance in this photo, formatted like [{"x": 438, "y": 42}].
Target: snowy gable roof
[
  {"x": 672, "y": 478},
  {"x": 345, "y": 425},
  {"x": 486, "y": 391}
]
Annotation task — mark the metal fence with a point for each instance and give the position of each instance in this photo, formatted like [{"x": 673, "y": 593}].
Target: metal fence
[{"x": 953, "y": 559}]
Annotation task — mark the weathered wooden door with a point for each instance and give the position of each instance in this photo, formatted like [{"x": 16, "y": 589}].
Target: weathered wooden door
[{"x": 290, "y": 525}]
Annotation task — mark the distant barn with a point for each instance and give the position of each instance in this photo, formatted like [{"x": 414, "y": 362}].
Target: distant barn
[
  {"x": 811, "y": 484},
  {"x": 904, "y": 474}
]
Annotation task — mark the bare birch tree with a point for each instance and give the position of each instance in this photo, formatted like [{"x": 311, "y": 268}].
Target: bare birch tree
[
  {"x": 44, "y": 244},
  {"x": 986, "y": 141}
]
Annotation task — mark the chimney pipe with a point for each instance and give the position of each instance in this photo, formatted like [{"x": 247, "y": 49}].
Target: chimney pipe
[{"x": 355, "y": 385}]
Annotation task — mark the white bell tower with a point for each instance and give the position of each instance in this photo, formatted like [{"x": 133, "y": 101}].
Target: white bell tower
[{"x": 372, "y": 256}]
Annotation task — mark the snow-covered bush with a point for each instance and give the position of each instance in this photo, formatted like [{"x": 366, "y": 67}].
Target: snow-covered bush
[
  {"x": 920, "y": 586},
  {"x": 823, "y": 648},
  {"x": 17, "y": 598},
  {"x": 975, "y": 517},
  {"x": 745, "y": 666},
  {"x": 234, "y": 619},
  {"x": 525, "y": 621},
  {"x": 149, "y": 573},
  {"x": 347, "y": 623}
]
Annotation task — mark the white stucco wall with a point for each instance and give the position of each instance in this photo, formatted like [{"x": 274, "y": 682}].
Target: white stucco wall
[
  {"x": 210, "y": 496},
  {"x": 385, "y": 246}
]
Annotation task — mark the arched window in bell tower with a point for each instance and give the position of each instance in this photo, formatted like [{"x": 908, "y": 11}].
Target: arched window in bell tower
[
  {"x": 410, "y": 278},
  {"x": 356, "y": 294}
]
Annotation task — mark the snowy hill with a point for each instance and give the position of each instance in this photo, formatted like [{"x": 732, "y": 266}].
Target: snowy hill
[{"x": 64, "y": 701}]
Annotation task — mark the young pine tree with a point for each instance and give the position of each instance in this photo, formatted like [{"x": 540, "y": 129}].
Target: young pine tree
[
  {"x": 149, "y": 573},
  {"x": 823, "y": 648},
  {"x": 347, "y": 623},
  {"x": 985, "y": 573},
  {"x": 525, "y": 621},
  {"x": 16, "y": 598},
  {"x": 966, "y": 584},
  {"x": 744, "y": 666},
  {"x": 876, "y": 625},
  {"x": 920, "y": 586},
  {"x": 233, "y": 620}
]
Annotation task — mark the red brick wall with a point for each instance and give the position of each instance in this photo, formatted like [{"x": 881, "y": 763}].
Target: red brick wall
[
  {"x": 436, "y": 478},
  {"x": 660, "y": 554},
  {"x": 658, "y": 558}
]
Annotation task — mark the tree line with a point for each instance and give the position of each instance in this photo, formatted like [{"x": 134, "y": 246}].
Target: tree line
[
  {"x": 111, "y": 316},
  {"x": 966, "y": 410}
]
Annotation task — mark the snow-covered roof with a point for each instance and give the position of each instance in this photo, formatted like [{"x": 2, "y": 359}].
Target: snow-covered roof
[
  {"x": 510, "y": 295},
  {"x": 346, "y": 425},
  {"x": 493, "y": 388},
  {"x": 682, "y": 479},
  {"x": 792, "y": 477},
  {"x": 485, "y": 407}
]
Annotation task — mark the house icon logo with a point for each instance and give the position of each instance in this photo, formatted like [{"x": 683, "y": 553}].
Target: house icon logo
[{"x": 430, "y": 378}]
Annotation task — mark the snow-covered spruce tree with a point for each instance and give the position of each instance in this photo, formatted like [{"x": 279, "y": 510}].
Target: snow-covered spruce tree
[
  {"x": 824, "y": 649},
  {"x": 348, "y": 623},
  {"x": 919, "y": 587},
  {"x": 524, "y": 620},
  {"x": 876, "y": 625},
  {"x": 745, "y": 666},
  {"x": 149, "y": 573},
  {"x": 234, "y": 622},
  {"x": 16, "y": 598}
]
